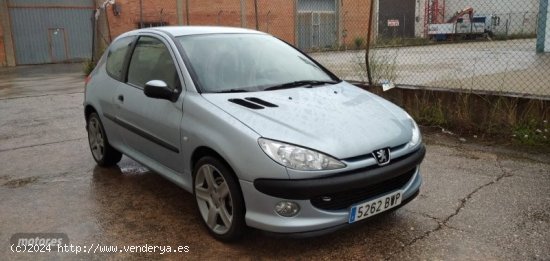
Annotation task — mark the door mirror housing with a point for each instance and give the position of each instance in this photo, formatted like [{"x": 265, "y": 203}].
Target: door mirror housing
[{"x": 159, "y": 90}]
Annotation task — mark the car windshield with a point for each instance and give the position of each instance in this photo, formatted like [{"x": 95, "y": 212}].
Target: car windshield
[{"x": 249, "y": 62}]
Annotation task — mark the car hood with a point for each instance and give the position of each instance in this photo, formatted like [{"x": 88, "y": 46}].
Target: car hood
[{"x": 341, "y": 120}]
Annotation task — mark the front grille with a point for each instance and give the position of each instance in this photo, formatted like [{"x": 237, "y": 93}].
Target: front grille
[
  {"x": 369, "y": 155},
  {"x": 345, "y": 199}
]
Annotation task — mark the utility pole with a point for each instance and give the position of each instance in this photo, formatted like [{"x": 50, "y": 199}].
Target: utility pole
[
  {"x": 187, "y": 10},
  {"x": 140, "y": 13},
  {"x": 256, "y": 12},
  {"x": 179, "y": 11},
  {"x": 367, "y": 50},
  {"x": 243, "y": 13}
]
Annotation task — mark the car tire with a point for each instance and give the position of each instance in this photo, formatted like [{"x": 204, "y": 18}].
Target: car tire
[
  {"x": 219, "y": 199},
  {"x": 104, "y": 154}
]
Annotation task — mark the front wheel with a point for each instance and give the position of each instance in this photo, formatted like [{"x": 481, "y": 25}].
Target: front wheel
[
  {"x": 103, "y": 153},
  {"x": 219, "y": 199}
]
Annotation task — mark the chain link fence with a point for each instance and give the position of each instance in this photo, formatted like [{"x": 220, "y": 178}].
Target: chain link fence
[{"x": 480, "y": 45}]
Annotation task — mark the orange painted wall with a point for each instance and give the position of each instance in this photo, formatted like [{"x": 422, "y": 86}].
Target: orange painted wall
[{"x": 355, "y": 19}]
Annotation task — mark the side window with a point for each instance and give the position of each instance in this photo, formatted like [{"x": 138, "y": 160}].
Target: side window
[
  {"x": 116, "y": 55},
  {"x": 151, "y": 60}
]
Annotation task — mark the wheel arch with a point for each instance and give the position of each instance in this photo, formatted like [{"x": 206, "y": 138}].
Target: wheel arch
[
  {"x": 88, "y": 109},
  {"x": 203, "y": 151}
]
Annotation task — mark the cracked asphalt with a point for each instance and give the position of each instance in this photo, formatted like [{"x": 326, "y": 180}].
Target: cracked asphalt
[{"x": 478, "y": 202}]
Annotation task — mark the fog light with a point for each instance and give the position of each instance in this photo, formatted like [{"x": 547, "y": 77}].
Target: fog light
[{"x": 287, "y": 208}]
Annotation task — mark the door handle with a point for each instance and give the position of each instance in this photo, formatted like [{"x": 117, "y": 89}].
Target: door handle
[{"x": 121, "y": 98}]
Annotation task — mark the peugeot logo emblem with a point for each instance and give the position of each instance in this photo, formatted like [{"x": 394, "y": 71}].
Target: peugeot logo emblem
[{"x": 382, "y": 156}]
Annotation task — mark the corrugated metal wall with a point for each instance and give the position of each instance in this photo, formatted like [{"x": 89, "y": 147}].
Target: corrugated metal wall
[
  {"x": 51, "y": 31},
  {"x": 72, "y": 3},
  {"x": 317, "y": 25},
  {"x": 316, "y": 5}
]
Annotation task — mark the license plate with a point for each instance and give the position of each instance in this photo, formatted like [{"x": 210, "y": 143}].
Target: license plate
[{"x": 375, "y": 206}]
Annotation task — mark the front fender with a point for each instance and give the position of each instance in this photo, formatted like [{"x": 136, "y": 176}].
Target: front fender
[{"x": 204, "y": 124}]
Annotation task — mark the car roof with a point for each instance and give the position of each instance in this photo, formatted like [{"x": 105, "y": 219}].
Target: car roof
[{"x": 195, "y": 30}]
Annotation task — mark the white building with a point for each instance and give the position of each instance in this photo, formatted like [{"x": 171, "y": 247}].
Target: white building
[{"x": 516, "y": 17}]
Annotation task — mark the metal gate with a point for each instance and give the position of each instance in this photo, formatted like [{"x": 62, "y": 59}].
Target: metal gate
[
  {"x": 317, "y": 25},
  {"x": 396, "y": 18},
  {"x": 51, "y": 31}
]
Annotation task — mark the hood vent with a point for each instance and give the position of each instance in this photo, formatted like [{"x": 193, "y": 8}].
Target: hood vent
[
  {"x": 253, "y": 103},
  {"x": 246, "y": 104},
  {"x": 261, "y": 102}
]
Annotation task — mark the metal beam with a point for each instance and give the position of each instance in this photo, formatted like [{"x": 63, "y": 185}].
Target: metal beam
[{"x": 541, "y": 27}]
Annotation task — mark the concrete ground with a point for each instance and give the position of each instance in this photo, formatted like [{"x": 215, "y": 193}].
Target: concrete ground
[
  {"x": 477, "y": 202},
  {"x": 498, "y": 66}
]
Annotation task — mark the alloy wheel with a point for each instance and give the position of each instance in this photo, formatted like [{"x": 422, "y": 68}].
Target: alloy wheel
[
  {"x": 95, "y": 138},
  {"x": 214, "y": 199}
]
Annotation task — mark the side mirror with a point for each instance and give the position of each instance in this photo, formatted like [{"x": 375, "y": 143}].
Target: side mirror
[{"x": 159, "y": 90}]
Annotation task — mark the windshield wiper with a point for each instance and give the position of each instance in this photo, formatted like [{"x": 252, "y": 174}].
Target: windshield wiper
[
  {"x": 298, "y": 84},
  {"x": 232, "y": 90}
]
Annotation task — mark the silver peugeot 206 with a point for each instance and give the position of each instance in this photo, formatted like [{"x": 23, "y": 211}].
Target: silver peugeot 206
[{"x": 261, "y": 134}]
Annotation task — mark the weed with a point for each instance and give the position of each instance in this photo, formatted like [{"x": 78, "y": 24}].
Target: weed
[
  {"x": 383, "y": 66},
  {"x": 358, "y": 42},
  {"x": 395, "y": 42},
  {"x": 88, "y": 66},
  {"x": 532, "y": 132},
  {"x": 520, "y": 120},
  {"x": 504, "y": 37}
]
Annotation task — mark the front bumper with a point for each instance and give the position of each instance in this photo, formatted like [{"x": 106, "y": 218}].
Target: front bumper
[{"x": 262, "y": 195}]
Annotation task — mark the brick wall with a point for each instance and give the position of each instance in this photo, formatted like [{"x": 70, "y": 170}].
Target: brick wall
[
  {"x": 129, "y": 18},
  {"x": 355, "y": 19},
  {"x": 217, "y": 12},
  {"x": 276, "y": 17}
]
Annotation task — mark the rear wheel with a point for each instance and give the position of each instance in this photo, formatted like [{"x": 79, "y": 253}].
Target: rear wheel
[
  {"x": 219, "y": 199},
  {"x": 103, "y": 153}
]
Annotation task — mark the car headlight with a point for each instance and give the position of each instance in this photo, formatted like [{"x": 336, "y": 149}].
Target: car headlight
[
  {"x": 416, "y": 137},
  {"x": 298, "y": 158}
]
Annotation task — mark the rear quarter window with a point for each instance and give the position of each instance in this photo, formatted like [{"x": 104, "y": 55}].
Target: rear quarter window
[{"x": 116, "y": 57}]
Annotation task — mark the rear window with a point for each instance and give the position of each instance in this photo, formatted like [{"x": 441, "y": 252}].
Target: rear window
[{"x": 116, "y": 56}]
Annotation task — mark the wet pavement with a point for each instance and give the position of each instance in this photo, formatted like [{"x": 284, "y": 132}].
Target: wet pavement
[{"x": 477, "y": 202}]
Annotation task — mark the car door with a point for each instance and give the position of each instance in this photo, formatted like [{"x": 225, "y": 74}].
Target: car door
[
  {"x": 107, "y": 84},
  {"x": 151, "y": 127}
]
